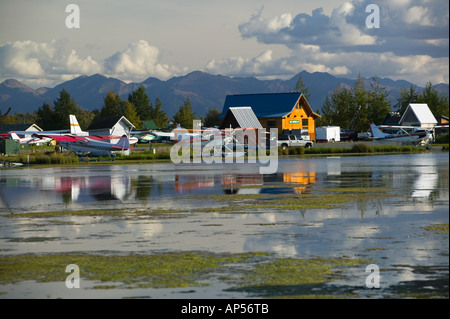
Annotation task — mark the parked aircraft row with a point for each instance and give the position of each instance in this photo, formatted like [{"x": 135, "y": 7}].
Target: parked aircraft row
[
  {"x": 81, "y": 143},
  {"x": 406, "y": 135},
  {"x": 76, "y": 140}
]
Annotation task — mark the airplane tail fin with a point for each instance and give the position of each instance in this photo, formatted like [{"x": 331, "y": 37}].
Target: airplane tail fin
[
  {"x": 15, "y": 137},
  {"x": 75, "y": 128},
  {"x": 376, "y": 133},
  {"x": 123, "y": 143}
]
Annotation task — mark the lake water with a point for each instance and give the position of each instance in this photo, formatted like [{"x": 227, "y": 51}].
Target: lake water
[{"x": 390, "y": 231}]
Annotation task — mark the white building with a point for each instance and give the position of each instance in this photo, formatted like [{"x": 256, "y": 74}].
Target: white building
[
  {"x": 115, "y": 126},
  {"x": 418, "y": 115}
]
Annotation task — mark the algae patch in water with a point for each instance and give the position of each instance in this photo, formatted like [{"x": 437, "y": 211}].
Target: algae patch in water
[
  {"x": 253, "y": 202},
  {"x": 244, "y": 271},
  {"x": 330, "y": 198},
  {"x": 437, "y": 228},
  {"x": 299, "y": 278},
  {"x": 168, "y": 270},
  {"x": 293, "y": 271}
]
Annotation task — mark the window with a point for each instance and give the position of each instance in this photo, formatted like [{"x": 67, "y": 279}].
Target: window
[{"x": 305, "y": 122}]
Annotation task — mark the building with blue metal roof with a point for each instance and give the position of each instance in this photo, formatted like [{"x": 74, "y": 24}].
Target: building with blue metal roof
[{"x": 289, "y": 112}]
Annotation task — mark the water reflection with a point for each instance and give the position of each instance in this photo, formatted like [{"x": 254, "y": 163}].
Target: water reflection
[
  {"x": 389, "y": 231},
  {"x": 29, "y": 189}
]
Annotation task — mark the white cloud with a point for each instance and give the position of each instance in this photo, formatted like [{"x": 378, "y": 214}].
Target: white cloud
[
  {"x": 138, "y": 61},
  {"x": 417, "y": 69},
  {"x": 23, "y": 58},
  {"x": 347, "y": 34},
  {"x": 316, "y": 28},
  {"x": 263, "y": 64},
  {"x": 43, "y": 64},
  {"x": 418, "y": 15},
  {"x": 48, "y": 64},
  {"x": 411, "y": 44}
]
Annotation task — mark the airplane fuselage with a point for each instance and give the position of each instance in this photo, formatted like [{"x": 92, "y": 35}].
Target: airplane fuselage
[{"x": 82, "y": 148}]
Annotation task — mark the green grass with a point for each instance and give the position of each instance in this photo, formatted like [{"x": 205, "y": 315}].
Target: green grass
[{"x": 44, "y": 156}]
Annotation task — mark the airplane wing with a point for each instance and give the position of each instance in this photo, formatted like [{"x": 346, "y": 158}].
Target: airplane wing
[
  {"x": 63, "y": 138},
  {"x": 40, "y": 132},
  {"x": 397, "y": 126}
]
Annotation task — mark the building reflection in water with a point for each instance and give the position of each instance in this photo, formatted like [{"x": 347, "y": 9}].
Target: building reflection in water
[{"x": 145, "y": 186}]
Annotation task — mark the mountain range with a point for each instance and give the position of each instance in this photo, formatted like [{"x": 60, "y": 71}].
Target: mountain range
[{"x": 205, "y": 91}]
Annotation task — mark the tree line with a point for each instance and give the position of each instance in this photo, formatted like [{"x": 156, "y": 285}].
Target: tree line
[
  {"x": 137, "y": 109},
  {"x": 350, "y": 108},
  {"x": 354, "y": 108}
]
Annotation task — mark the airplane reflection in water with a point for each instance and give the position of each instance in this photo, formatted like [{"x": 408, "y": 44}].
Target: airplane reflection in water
[
  {"x": 54, "y": 188},
  {"x": 33, "y": 192}
]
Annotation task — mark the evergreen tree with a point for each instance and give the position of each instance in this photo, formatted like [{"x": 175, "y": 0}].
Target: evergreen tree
[
  {"x": 300, "y": 87},
  {"x": 142, "y": 103},
  {"x": 378, "y": 105},
  {"x": 158, "y": 115},
  {"x": 112, "y": 105},
  {"x": 44, "y": 117},
  {"x": 63, "y": 107},
  {"x": 406, "y": 97},
  {"x": 358, "y": 119},
  {"x": 438, "y": 103},
  {"x": 212, "y": 118},
  {"x": 356, "y": 108},
  {"x": 129, "y": 111},
  {"x": 85, "y": 118},
  {"x": 185, "y": 116},
  {"x": 20, "y": 118}
]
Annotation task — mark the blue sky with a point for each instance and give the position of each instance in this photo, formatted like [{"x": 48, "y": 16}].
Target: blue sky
[{"x": 135, "y": 39}]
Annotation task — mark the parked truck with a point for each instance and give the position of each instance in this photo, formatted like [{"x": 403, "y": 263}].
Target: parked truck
[{"x": 290, "y": 140}]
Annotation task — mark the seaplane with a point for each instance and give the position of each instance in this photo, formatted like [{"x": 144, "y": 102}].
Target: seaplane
[
  {"x": 76, "y": 130},
  {"x": 85, "y": 145},
  {"x": 215, "y": 143},
  {"x": 176, "y": 134},
  {"x": 406, "y": 135},
  {"x": 29, "y": 140},
  {"x": 156, "y": 136}
]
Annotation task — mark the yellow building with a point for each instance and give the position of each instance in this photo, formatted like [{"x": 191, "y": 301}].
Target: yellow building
[{"x": 288, "y": 112}]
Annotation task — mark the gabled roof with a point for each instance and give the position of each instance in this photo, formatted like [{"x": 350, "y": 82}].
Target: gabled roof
[
  {"x": 265, "y": 104},
  {"x": 244, "y": 116},
  {"x": 150, "y": 125},
  {"x": 422, "y": 113},
  {"x": 108, "y": 123},
  {"x": 5, "y": 128}
]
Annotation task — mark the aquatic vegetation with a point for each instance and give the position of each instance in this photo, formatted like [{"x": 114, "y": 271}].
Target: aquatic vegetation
[
  {"x": 33, "y": 239},
  {"x": 291, "y": 271},
  {"x": 296, "y": 278},
  {"x": 237, "y": 203},
  {"x": 168, "y": 270},
  {"x": 437, "y": 228},
  {"x": 264, "y": 274},
  {"x": 254, "y": 202}
]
